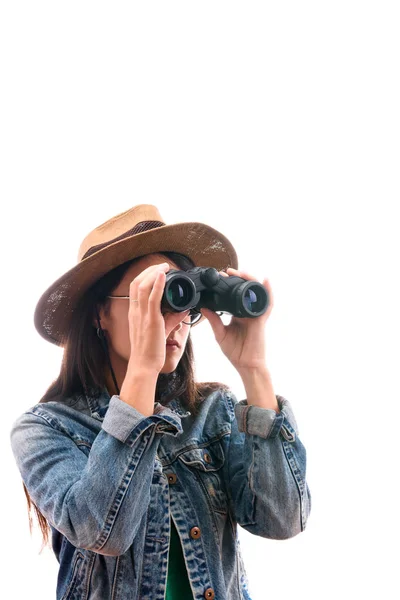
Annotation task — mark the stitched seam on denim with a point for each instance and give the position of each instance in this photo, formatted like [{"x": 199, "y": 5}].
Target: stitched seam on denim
[
  {"x": 90, "y": 559},
  {"x": 251, "y": 482},
  {"x": 241, "y": 419},
  {"x": 245, "y": 418},
  {"x": 238, "y": 572},
  {"x": 251, "y": 475},
  {"x": 287, "y": 419},
  {"x": 230, "y": 404},
  {"x": 120, "y": 494},
  {"x": 229, "y": 495},
  {"x": 54, "y": 423},
  {"x": 208, "y": 500},
  {"x": 276, "y": 425},
  {"x": 294, "y": 468},
  {"x": 231, "y": 502},
  {"x": 57, "y": 426},
  {"x": 143, "y": 425},
  {"x": 114, "y": 587},
  {"x": 92, "y": 403},
  {"x": 194, "y": 446},
  {"x": 289, "y": 414},
  {"x": 288, "y": 427},
  {"x": 76, "y": 564}
]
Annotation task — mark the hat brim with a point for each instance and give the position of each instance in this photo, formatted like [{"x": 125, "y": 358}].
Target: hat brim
[{"x": 203, "y": 244}]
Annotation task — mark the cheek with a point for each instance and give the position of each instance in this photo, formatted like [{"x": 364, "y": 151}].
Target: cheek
[{"x": 120, "y": 337}]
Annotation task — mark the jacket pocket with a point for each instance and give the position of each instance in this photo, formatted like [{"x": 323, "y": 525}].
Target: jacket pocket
[{"x": 206, "y": 463}]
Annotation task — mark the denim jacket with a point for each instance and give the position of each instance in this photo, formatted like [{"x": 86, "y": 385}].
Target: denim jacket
[{"x": 108, "y": 480}]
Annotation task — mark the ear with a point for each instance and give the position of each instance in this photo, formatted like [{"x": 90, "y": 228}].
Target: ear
[{"x": 98, "y": 310}]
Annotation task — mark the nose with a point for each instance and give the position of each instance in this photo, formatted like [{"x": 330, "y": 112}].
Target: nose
[
  {"x": 177, "y": 326},
  {"x": 171, "y": 316}
]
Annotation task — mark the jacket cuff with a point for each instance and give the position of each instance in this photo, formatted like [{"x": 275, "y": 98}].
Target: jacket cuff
[
  {"x": 125, "y": 423},
  {"x": 266, "y": 422}
]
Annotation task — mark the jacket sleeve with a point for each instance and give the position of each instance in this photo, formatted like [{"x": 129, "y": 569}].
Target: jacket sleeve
[
  {"x": 266, "y": 470},
  {"x": 96, "y": 498}
]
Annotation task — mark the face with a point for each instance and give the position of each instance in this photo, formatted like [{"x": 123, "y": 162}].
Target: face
[{"x": 115, "y": 323}]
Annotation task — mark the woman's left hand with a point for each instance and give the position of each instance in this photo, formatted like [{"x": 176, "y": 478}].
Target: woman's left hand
[{"x": 243, "y": 340}]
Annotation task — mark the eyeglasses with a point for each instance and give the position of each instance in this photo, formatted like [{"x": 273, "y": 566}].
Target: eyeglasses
[{"x": 192, "y": 314}]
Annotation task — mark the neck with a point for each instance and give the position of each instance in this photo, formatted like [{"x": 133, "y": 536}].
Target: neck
[
  {"x": 119, "y": 367},
  {"x": 110, "y": 384}
]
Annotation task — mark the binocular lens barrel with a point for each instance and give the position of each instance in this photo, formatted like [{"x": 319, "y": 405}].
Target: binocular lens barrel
[
  {"x": 180, "y": 292},
  {"x": 254, "y": 299}
]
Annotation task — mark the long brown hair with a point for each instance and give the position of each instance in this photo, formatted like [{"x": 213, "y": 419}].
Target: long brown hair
[{"x": 84, "y": 364}]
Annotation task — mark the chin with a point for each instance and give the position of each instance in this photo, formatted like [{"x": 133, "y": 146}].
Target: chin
[
  {"x": 169, "y": 366},
  {"x": 167, "y": 370}
]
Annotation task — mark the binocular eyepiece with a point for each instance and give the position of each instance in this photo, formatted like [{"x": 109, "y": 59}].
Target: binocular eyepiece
[{"x": 204, "y": 287}]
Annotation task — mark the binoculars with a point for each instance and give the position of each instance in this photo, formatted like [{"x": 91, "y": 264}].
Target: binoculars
[{"x": 204, "y": 287}]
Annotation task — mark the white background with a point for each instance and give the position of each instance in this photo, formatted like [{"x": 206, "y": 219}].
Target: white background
[{"x": 277, "y": 124}]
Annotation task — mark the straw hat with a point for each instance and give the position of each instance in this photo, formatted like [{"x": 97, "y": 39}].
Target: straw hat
[{"x": 133, "y": 233}]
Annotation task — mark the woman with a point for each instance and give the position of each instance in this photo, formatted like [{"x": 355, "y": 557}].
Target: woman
[{"x": 141, "y": 473}]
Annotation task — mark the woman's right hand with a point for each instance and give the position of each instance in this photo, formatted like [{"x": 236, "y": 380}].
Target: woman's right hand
[{"x": 147, "y": 331}]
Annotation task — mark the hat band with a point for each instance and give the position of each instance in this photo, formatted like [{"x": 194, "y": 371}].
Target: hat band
[{"x": 139, "y": 228}]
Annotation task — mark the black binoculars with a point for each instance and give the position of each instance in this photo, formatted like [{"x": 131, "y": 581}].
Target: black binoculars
[{"x": 204, "y": 287}]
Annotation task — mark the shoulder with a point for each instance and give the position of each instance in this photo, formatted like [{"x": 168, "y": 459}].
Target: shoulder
[
  {"x": 46, "y": 413},
  {"x": 206, "y": 388},
  {"x": 219, "y": 398}
]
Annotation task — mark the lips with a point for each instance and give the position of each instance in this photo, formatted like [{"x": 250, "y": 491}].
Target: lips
[{"x": 172, "y": 343}]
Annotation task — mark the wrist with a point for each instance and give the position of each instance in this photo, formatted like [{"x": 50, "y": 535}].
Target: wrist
[
  {"x": 138, "y": 390},
  {"x": 136, "y": 371},
  {"x": 251, "y": 373},
  {"x": 259, "y": 388}
]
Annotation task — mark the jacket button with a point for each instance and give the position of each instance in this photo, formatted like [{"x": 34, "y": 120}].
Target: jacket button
[
  {"x": 209, "y": 594},
  {"x": 207, "y": 458},
  {"x": 171, "y": 478},
  {"x": 195, "y": 532}
]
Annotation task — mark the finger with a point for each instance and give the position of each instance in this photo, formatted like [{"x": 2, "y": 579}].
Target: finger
[
  {"x": 148, "y": 276},
  {"x": 152, "y": 270},
  {"x": 147, "y": 279},
  {"x": 154, "y": 302},
  {"x": 267, "y": 285}
]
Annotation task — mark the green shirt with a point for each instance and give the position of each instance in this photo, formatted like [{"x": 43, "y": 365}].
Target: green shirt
[{"x": 178, "y": 586}]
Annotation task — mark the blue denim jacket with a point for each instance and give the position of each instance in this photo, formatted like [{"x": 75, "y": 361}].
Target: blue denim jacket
[{"x": 108, "y": 479}]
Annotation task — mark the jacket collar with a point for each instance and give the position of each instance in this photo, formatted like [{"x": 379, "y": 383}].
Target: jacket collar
[{"x": 98, "y": 402}]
